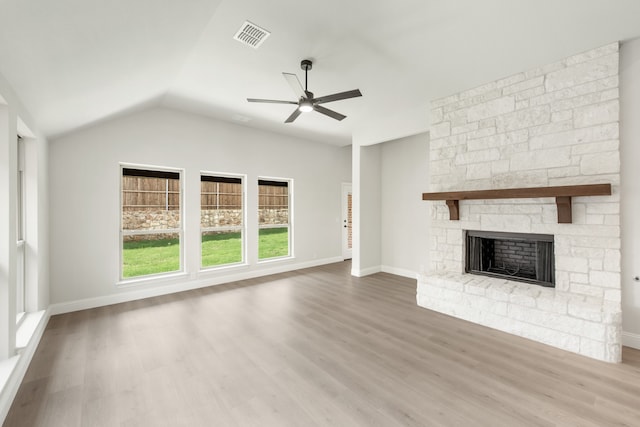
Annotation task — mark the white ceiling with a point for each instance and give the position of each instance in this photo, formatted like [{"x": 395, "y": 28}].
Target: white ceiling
[{"x": 76, "y": 62}]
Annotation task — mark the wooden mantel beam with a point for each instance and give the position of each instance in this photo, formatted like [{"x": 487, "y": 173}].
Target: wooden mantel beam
[{"x": 562, "y": 194}]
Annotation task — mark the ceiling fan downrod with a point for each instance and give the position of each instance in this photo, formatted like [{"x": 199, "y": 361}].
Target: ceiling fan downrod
[{"x": 306, "y": 65}]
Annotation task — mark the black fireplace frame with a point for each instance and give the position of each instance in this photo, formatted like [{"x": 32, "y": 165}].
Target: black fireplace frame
[{"x": 544, "y": 259}]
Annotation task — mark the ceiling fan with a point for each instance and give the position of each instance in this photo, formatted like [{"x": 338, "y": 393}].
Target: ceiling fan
[{"x": 306, "y": 101}]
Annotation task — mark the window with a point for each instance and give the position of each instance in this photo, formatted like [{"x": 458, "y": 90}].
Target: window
[
  {"x": 20, "y": 233},
  {"x": 274, "y": 219},
  {"x": 221, "y": 220},
  {"x": 151, "y": 221}
]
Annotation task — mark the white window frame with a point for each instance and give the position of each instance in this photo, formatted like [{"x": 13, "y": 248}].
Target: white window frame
[
  {"x": 289, "y": 225},
  {"x": 179, "y": 231},
  {"x": 242, "y": 228},
  {"x": 20, "y": 233}
]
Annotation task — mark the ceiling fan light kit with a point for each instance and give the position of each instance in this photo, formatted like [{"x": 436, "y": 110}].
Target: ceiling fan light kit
[
  {"x": 305, "y": 106},
  {"x": 306, "y": 101}
]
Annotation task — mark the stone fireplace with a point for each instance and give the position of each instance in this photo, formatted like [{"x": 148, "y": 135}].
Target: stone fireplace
[{"x": 556, "y": 125}]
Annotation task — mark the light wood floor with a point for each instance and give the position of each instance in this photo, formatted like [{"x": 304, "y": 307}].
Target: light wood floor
[{"x": 315, "y": 347}]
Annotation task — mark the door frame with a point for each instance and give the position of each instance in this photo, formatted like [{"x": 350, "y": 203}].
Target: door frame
[{"x": 347, "y": 189}]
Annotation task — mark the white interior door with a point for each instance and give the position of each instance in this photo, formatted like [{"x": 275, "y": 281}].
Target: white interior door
[{"x": 347, "y": 223}]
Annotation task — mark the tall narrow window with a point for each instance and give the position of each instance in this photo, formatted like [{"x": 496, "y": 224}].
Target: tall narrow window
[
  {"x": 274, "y": 219},
  {"x": 20, "y": 232},
  {"x": 151, "y": 222},
  {"x": 221, "y": 220}
]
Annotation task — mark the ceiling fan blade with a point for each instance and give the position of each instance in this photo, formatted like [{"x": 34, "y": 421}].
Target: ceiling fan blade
[
  {"x": 330, "y": 113},
  {"x": 271, "y": 101},
  {"x": 338, "y": 96},
  {"x": 293, "y": 116},
  {"x": 295, "y": 84}
]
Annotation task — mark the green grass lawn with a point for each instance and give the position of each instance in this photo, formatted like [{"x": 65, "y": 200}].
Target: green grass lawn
[
  {"x": 161, "y": 256},
  {"x": 150, "y": 257},
  {"x": 273, "y": 242},
  {"x": 221, "y": 248}
]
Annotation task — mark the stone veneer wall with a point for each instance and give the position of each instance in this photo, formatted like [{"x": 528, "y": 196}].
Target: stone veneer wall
[
  {"x": 161, "y": 219},
  {"x": 150, "y": 219},
  {"x": 554, "y": 125}
]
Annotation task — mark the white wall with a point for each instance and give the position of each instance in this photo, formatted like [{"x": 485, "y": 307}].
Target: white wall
[
  {"x": 37, "y": 226},
  {"x": 85, "y": 183},
  {"x": 404, "y": 215},
  {"x": 8, "y": 161},
  {"x": 366, "y": 210},
  {"x": 630, "y": 188}
]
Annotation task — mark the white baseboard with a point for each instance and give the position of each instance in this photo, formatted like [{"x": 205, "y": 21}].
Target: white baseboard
[
  {"x": 399, "y": 272},
  {"x": 631, "y": 340},
  {"x": 14, "y": 369},
  {"x": 386, "y": 269},
  {"x": 129, "y": 294},
  {"x": 366, "y": 271}
]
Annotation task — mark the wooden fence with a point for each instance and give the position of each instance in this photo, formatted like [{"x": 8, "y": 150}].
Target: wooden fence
[
  {"x": 146, "y": 193},
  {"x": 272, "y": 197},
  {"x": 220, "y": 195}
]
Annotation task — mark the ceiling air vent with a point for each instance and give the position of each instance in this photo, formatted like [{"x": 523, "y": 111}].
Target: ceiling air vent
[{"x": 251, "y": 35}]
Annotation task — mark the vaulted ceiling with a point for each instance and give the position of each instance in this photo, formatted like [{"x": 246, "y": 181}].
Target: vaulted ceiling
[{"x": 77, "y": 62}]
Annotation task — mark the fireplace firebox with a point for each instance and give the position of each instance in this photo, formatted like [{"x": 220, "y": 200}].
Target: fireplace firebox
[{"x": 515, "y": 256}]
